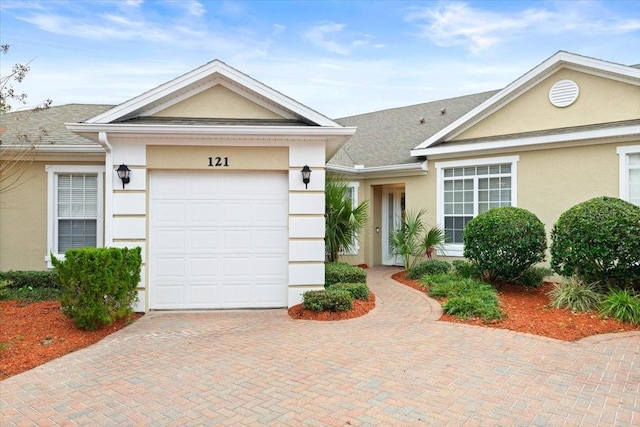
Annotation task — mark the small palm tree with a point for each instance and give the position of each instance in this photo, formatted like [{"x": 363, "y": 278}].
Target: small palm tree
[
  {"x": 411, "y": 240},
  {"x": 343, "y": 221}
]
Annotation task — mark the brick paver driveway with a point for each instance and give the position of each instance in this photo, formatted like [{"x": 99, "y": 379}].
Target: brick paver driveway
[{"x": 395, "y": 366}]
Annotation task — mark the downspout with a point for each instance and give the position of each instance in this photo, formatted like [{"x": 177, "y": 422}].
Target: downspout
[{"x": 108, "y": 189}]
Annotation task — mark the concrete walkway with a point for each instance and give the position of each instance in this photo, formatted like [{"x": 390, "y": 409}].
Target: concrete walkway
[{"x": 395, "y": 366}]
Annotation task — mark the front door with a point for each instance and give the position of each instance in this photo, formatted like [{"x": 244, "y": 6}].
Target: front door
[{"x": 393, "y": 211}]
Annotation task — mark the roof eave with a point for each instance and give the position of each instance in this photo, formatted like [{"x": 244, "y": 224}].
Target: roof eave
[{"x": 533, "y": 142}]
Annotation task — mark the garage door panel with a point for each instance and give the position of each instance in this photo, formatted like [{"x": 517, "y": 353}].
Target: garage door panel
[
  {"x": 270, "y": 240},
  {"x": 203, "y": 268},
  {"x": 218, "y": 240},
  {"x": 236, "y": 241},
  {"x": 169, "y": 295},
  {"x": 170, "y": 268},
  {"x": 170, "y": 213},
  {"x": 203, "y": 212},
  {"x": 203, "y": 240},
  {"x": 201, "y": 186},
  {"x": 168, "y": 186},
  {"x": 269, "y": 213},
  {"x": 203, "y": 295},
  {"x": 168, "y": 241}
]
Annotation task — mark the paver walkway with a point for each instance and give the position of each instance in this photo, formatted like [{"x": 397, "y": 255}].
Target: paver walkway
[{"x": 395, "y": 366}]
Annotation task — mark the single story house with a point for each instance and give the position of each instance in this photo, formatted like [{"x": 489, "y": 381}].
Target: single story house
[{"x": 218, "y": 198}]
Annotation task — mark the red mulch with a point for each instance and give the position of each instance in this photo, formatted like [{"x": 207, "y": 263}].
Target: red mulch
[
  {"x": 360, "y": 308},
  {"x": 527, "y": 311},
  {"x": 32, "y": 334}
]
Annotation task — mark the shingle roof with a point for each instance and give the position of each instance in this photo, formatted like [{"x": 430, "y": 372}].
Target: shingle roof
[
  {"x": 386, "y": 137},
  {"x": 17, "y": 124}
]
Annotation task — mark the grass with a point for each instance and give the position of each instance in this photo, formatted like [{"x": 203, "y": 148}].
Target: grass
[
  {"x": 465, "y": 298},
  {"x": 623, "y": 305}
]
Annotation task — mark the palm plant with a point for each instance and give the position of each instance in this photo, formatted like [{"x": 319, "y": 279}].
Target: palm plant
[
  {"x": 343, "y": 221},
  {"x": 411, "y": 240}
]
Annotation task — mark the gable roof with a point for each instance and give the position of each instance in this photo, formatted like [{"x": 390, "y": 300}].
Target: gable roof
[
  {"x": 202, "y": 78},
  {"x": 561, "y": 59},
  {"x": 385, "y": 138}
]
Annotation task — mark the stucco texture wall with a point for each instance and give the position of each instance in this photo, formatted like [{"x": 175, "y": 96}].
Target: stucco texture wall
[
  {"x": 23, "y": 220},
  {"x": 600, "y": 100}
]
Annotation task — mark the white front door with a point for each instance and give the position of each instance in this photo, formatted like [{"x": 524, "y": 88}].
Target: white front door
[
  {"x": 218, "y": 240},
  {"x": 393, "y": 206}
]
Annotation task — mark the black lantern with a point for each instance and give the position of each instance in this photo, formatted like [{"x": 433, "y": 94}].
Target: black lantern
[
  {"x": 123, "y": 174},
  {"x": 306, "y": 175}
]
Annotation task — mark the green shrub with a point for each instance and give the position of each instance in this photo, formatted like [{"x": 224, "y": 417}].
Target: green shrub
[
  {"x": 341, "y": 272},
  {"x": 623, "y": 305},
  {"x": 36, "y": 279},
  {"x": 31, "y": 294},
  {"x": 504, "y": 242},
  {"x": 3, "y": 288},
  {"x": 468, "y": 306},
  {"x": 98, "y": 284},
  {"x": 356, "y": 290},
  {"x": 599, "y": 240},
  {"x": 466, "y": 297},
  {"x": 327, "y": 300},
  {"x": 534, "y": 277},
  {"x": 432, "y": 266},
  {"x": 576, "y": 295},
  {"x": 465, "y": 269}
]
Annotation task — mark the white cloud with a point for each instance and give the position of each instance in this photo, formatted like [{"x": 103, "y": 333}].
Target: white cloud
[
  {"x": 326, "y": 35},
  {"x": 320, "y": 36},
  {"x": 461, "y": 24}
]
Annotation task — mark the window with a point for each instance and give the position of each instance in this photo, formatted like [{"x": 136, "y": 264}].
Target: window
[
  {"x": 630, "y": 173},
  {"x": 74, "y": 207},
  {"x": 469, "y": 187}
]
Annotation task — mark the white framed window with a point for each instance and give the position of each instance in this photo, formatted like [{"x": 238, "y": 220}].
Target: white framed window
[
  {"x": 466, "y": 188},
  {"x": 75, "y": 208},
  {"x": 352, "y": 194},
  {"x": 629, "y": 158}
]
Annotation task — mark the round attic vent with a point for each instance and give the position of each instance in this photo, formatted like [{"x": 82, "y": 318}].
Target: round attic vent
[{"x": 564, "y": 93}]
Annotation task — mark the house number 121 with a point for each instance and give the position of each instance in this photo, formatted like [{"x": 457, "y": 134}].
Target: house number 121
[{"x": 217, "y": 162}]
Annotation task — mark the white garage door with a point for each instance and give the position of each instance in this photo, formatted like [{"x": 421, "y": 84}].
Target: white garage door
[{"x": 218, "y": 240}]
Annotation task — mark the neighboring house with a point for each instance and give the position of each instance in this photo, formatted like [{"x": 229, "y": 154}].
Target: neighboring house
[
  {"x": 566, "y": 131},
  {"x": 216, "y": 198}
]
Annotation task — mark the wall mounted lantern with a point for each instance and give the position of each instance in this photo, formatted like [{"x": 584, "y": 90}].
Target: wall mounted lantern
[
  {"x": 306, "y": 175},
  {"x": 123, "y": 174}
]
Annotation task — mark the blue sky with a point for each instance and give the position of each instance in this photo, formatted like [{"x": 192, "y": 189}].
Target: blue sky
[{"x": 339, "y": 58}]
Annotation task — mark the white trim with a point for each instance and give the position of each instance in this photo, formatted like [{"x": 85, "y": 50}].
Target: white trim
[
  {"x": 561, "y": 59},
  {"x": 623, "y": 168},
  {"x": 360, "y": 170},
  {"x": 209, "y": 71},
  {"x": 454, "y": 249},
  {"x": 52, "y": 171},
  {"x": 470, "y": 147},
  {"x": 210, "y": 129}
]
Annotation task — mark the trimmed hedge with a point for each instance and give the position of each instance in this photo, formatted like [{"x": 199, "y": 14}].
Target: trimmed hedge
[
  {"x": 599, "y": 240},
  {"x": 341, "y": 272},
  {"x": 432, "y": 266},
  {"x": 98, "y": 284},
  {"x": 327, "y": 300},
  {"x": 504, "y": 242},
  {"x": 357, "y": 290},
  {"x": 17, "y": 279}
]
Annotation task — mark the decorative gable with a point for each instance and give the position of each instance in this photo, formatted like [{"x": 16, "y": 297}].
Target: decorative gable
[
  {"x": 594, "y": 94},
  {"x": 218, "y": 102},
  {"x": 597, "y": 100}
]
